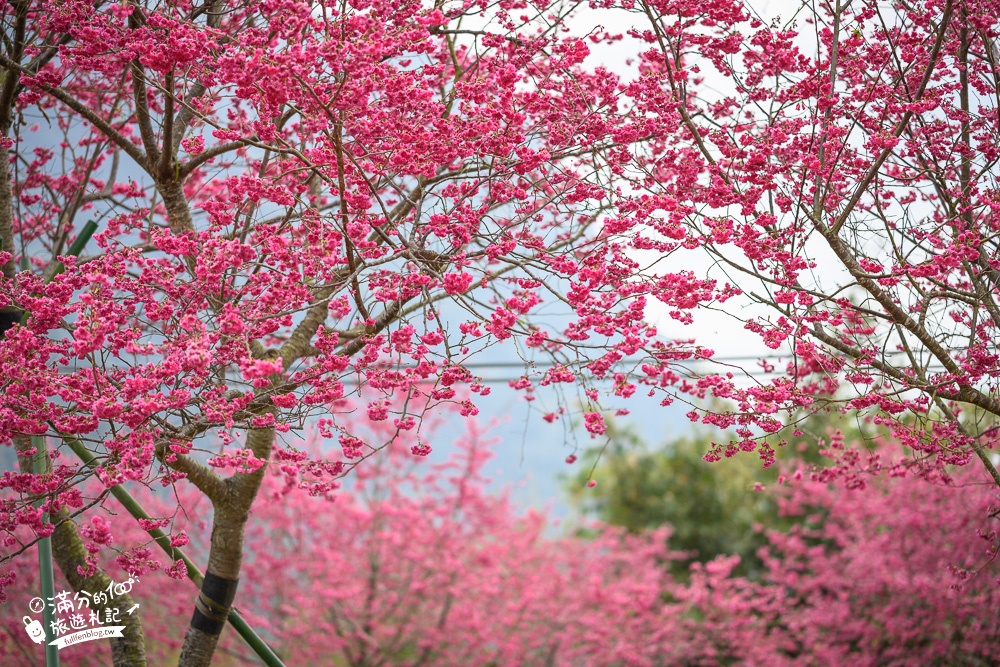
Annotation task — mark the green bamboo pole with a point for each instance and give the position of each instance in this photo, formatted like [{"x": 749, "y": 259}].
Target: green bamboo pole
[
  {"x": 47, "y": 576},
  {"x": 81, "y": 241},
  {"x": 258, "y": 645}
]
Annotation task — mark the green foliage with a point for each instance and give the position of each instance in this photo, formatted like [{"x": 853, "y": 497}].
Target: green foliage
[{"x": 713, "y": 508}]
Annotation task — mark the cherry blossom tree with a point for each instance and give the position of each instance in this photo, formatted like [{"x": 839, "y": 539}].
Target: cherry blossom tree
[
  {"x": 296, "y": 199},
  {"x": 840, "y": 174},
  {"x": 902, "y": 572}
]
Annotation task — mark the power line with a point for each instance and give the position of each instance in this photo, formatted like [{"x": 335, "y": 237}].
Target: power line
[{"x": 550, "y": 363}]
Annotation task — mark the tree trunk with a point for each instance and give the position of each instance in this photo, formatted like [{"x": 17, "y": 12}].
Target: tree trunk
[
  {"x": 178, "y": 211},
  {"x": 215, "y": 600}
]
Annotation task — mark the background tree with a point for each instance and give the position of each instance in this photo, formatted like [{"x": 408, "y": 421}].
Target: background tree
[
  {"x": 899, "y": 570},
  {"x": 712, "y": 509},
  {"x": 901, "y": 573},
  {"x": 415, "y": 563}
]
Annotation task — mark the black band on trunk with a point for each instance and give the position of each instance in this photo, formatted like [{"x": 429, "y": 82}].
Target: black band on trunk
[
  {"x": 214, "y": 601},
  {"x": 8, "y": 318}
]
